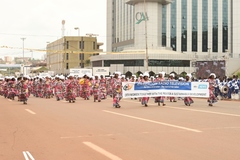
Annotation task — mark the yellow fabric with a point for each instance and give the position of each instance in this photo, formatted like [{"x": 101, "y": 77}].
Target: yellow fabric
[{"x": 81, "y": 81}]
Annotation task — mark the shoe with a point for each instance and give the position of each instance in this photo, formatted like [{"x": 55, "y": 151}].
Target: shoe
[
  {"x": 117, "y": 106},
  {"x": 210, "y": 104},
  {"x": 164, "y": 104},
  {"x": 146, "y": 105}
]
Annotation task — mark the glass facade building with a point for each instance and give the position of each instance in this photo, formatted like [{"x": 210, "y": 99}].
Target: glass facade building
[{"x": 187, "y": 25}]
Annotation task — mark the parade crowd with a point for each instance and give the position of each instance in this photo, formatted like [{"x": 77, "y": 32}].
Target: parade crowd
[{"x": 98, "y": 87}]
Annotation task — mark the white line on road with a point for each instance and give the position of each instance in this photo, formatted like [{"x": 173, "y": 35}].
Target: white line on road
[
  {"x": 28, "y": 110},
  {"x": 102, "y": 151},
  {"x": 195, "y": 110},
  {"x": 27, "y": 154},
  {"x": 152, "y": 121}
]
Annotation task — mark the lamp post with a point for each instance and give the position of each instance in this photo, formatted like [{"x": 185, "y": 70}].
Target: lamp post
[
  {"x": 77, "y": 28},
  {"x": 23, "y": 55},
  {"x": 146, "y": 36}
]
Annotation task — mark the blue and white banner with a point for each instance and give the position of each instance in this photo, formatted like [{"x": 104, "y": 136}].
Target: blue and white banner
[{"x": 165, "y": 88}]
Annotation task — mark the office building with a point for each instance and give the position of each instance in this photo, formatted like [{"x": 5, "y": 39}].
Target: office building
[
  {"x": 71, "y": 52},
  {"x": 182, "y": 25},
  {"x": 196, "y": 30}
]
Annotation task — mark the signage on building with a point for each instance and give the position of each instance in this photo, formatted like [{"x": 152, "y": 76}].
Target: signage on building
[
  {"x": 141, "y": 16},
  {"x": 44, "y": 74},
  {"x": 51, "y": 73},
  {"x": 101, "y": 71},
  {"x": 80, "y": 72}
]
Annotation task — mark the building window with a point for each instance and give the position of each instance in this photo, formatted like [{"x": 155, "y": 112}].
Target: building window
[
  {"x": 94, "y": 45},
  {"x": 225, "y": 25},
  {"x": 66, "y": 65},
  {"x": 215, "y": 26},
  {"x": 164, "y": 26},
  {"x": 81, "y": 45},
  {"x": 81, "y": 65},
  {"x": 126, "y": 63},
  {"x": 173, "y": 24},
  {"x": 204, "y": 26},
  {"x": 169, "y": 63},
  {"x": 184, "y": 24},
  {"x": 67, "y": 56},
  {"x": 67, "y": 44},
  {"x": 81, "y": 56},
  {"x": 194, "y": 25},
  {"x": 97, "y": 63}
]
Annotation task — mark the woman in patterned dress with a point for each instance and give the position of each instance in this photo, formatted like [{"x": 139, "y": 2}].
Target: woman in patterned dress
[
  {"x": 144, "y": 100},
  {"x": 211, "y": 80},
  {"x": 160, "y": 99},
  {"x": 116, "y": 84}
]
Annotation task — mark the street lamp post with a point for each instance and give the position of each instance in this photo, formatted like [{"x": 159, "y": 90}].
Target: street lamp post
[
  {"x": 23, "y": 54},
  {"x": 146, "y": 36},
  {"x": 77, "y": 28}
]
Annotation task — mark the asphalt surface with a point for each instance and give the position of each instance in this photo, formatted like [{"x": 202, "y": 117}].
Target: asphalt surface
[{"x": 46, "y": 129}]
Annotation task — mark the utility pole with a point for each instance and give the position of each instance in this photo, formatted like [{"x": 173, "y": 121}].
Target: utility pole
[
  {"x": 23, "y": 55},
  {"x": 146, "y": 36}
]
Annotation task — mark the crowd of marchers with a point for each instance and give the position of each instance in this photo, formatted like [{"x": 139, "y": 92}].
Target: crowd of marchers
[{"x": 99, "y": 87}]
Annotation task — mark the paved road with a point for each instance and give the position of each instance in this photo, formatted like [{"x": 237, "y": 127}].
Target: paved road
[{"x": 45, "y": 129}]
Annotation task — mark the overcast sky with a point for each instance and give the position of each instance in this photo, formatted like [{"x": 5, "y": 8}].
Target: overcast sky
[{"x": 40, "y": 21}]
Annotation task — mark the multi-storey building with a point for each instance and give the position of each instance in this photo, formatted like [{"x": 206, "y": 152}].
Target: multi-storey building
[
  {"x": 71, "y": 52},
  {"x": 196, "y": 30},
  {"x": 183, "y": 25}
]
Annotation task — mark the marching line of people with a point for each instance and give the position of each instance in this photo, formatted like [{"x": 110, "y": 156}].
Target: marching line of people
[{"x": 98, "y": 87}]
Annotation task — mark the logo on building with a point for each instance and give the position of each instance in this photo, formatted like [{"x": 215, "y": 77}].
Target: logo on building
[{"x": 141, "y": 16}]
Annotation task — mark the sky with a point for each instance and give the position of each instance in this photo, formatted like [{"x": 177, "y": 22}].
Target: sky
[{"x": 41, "y": 22}]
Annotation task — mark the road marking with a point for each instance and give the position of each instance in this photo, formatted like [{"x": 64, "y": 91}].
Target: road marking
[
  {"x": 152, "y": 121},
  {"x": 86, "y": 136},
  {"x": 28, "y": 110},
  {"x": 27, "y": 154},
  {"x": 102, "y": 151},
  {"x": 195, "y": 110}
]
